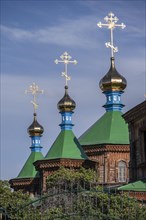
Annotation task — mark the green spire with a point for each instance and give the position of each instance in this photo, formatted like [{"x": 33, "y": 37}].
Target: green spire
[
  {"x": 109, "y": 129},
  {"x": 28, "y": 170},
  {"x": 66, "y": 145}
]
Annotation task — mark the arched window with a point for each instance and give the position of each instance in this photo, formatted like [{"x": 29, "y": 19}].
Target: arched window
[{"x": 122, "y": 171}]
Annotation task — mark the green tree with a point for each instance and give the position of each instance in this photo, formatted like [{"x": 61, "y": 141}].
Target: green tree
[
  {"x": 67, "y": 176},
  {"x": 11, "y": 201},
  {"x": 71, "y": 195},
  {"x": 77, "y": 192}
]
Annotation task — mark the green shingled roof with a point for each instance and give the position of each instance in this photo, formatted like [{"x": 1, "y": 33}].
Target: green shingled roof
[
  {"x": 66, "y": 145},
  {"x": 109, "y": 129},
  {"x": 28, "y": 170},
  {"x": 139, "y": 186}
]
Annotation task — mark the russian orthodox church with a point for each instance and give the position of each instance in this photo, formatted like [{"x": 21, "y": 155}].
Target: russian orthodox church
[{"x": 104, "y": 147}]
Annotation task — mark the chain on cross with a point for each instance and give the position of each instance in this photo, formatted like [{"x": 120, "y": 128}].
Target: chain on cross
[
  {"x": 66, "y": 59},
  {"x": 111, "y": 24},
  {"x": 34, "y": 90}
]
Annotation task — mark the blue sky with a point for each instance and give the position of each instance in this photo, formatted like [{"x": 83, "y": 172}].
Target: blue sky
[{"x": 33, "y": 35}]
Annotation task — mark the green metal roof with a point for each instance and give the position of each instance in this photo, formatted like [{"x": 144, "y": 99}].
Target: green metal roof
[
  {"x": 111, "y": 128},
  {"x": 66, "y": 145},
  {"x": 139, "y": 186},
  {"x": 28, "y": 170}
]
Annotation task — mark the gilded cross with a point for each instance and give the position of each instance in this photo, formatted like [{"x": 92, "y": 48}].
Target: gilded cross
[
  {"x": 66, "y": 59},
  {"x": 34, "y": 90},
  {"x": 111, "y": 20}
]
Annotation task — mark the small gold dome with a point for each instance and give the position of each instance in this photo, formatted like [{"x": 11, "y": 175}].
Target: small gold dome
[
  {"x": 113, "y": 81},
  {"x": 35, "y": 129},
  {"x": 66, "y": 103}
]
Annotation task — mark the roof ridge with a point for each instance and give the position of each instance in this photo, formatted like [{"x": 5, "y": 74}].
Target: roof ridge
[
  {"x": 111, "y": 118},
  {"x": 111, "y": 124},
  {"x": 64, "y": 142}
]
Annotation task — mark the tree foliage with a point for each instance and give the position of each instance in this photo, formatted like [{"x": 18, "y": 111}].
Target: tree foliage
[
  {"x": 71, "y": 195},
  {"x": 67, "y": 176},
  {"x": 78, "y": 193},
  {"x": 10, "y": 200}
]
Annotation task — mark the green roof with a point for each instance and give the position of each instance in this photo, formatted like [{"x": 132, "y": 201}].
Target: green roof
[
  {"x": 111, "y": 128},
  {"x": 28, "y": 170},
  {"x": 139, "y": 186},
  {"x": 66, "y": 145}
]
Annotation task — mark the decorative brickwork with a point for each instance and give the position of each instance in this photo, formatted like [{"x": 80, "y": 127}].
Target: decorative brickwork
[{"x": 108, "y": 158}]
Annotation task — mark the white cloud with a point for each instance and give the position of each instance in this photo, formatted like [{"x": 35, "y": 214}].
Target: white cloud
[
  {"x": 16, "y": 33},
  {"x": 67, "y": 33},
  {"x": 78, "y": 32}
]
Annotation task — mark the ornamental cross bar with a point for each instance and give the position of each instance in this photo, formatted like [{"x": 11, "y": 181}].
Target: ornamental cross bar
[
  {"x": 66, "y": 59},
  {"x": 111, "y": 24},
  {"x": 34, "y": 90}
]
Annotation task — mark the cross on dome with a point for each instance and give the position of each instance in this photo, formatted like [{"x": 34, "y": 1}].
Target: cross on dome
[
  {"x": 111, "y": 24},
  {"x": 34, "y": 90},
  {"x": 66, "y": 59}
]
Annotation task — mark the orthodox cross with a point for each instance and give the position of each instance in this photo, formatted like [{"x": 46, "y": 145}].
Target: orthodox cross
[
  {"x": 111, "y": 24},
  {"x": 34, "y": 90},
  {"x": 66, "y": 59}
]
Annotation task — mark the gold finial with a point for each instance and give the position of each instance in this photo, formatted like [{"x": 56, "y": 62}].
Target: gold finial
[
  {"x": 111, "y": 24},
  {"x": 66, "y": 59},
  {"x": 34, "y": 90}
]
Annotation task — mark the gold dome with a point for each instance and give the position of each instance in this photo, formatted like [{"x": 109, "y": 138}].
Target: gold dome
[
  {"x": 66, "y": 103},
  {"x": 113, "y": 81},
  {"x": 35, "y": 129}
]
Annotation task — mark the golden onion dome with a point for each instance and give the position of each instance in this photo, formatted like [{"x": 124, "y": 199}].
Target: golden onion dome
[
  {"x": 35, "y": 129},
  {"x": 113, "y": 81},
  {"x": 66, "y": 103}
]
